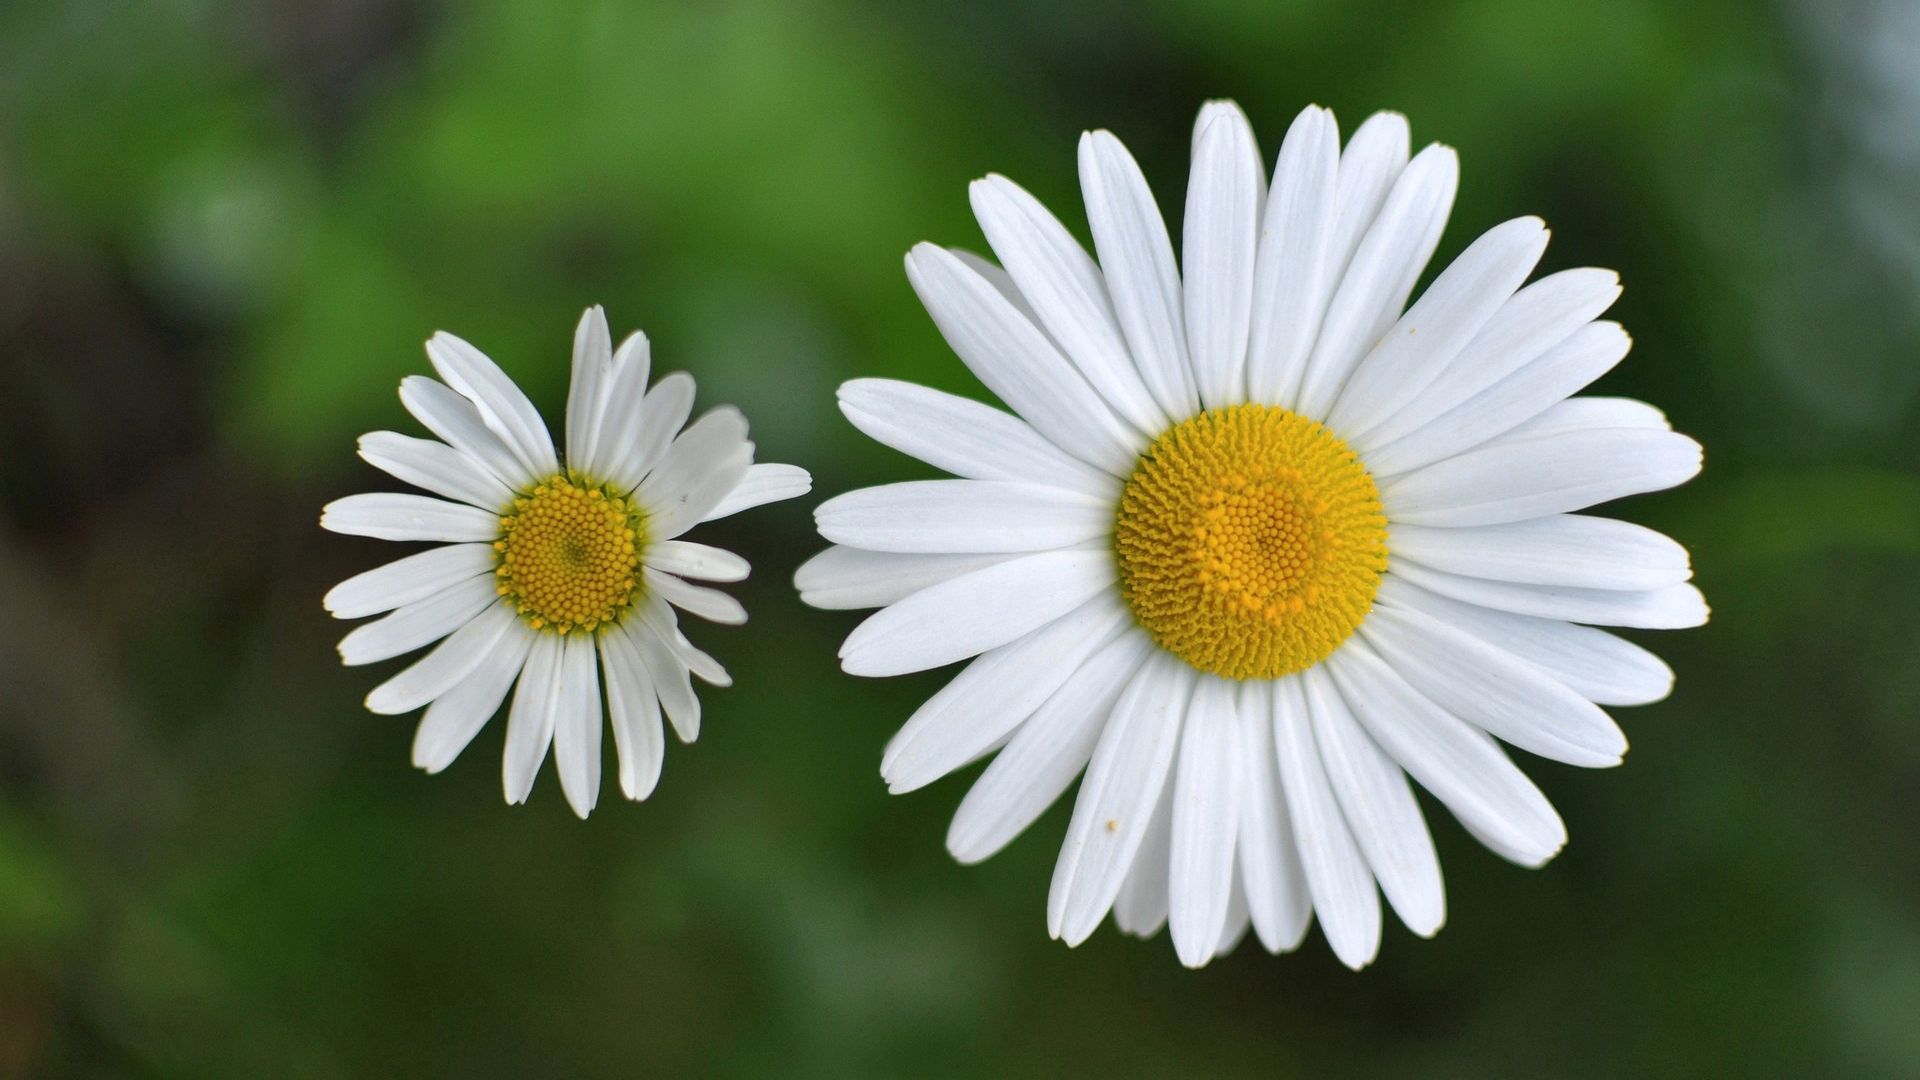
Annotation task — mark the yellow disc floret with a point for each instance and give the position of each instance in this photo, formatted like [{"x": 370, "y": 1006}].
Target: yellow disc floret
[
  {"x": 1250, "y": 541},
  {"x": 570, "y": 555}
]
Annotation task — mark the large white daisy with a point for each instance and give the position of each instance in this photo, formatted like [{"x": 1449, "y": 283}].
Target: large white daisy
[
  {"x": 1257, "y": 545},
  {"x": 547, "y": 565}
]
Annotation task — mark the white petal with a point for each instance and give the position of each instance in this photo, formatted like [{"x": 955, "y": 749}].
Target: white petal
[
  {"x": 1374, "y": 287},
  {"x": 662, "y": 414},
  {"x": 687, "y": 559},
  {"x": 670, "y": 675},
  {"x": 1136, "y": 257},
  {"x": 1206, "y": 821},
  {"x": 1270, "y": 872},
  {"x": 1598, "y": 666},
  {"x": 577, "y": 727},
  {"x": 963, "y": 516},
  {"x": 843, "y": 577},
  {"x": 1446, "y": 317},
  {"x": 623, "y": 395},
  {"x": 1591, "y": 352},
  {"x": 503, "y": 407},
  {"x": 1239, "y": 918},
  {"x": 1344, "y": 897},
  {"x": 1511, "y": 480},
  {"x": 1564, "y": 549},
  {"x": 435, "y": 466},
  {"x": 710, "y": 604},
  {"x": 994, "y": 694},
  {"x": 1674, "y": 607},
  {"x": 1534, "y": 320},
  {"x": 447, "y": 665},
  {"x": 1293, "y": 276},
  {"x": 1461, "y": 765},
  {"x": 637, "y": 734},
  {"x": 1379, "y": 808},
  {"x": 396, "y": 516},
  {"x": 1017, "y": 362},
  {"x": 530, "y": 720},
  {"x": 763, "y": 483},
  {"x": 456, "y": 716},
  {"x": 1118, "y": 796},
  {"x": 1045, "y": 753},
  {"x": 1002, "y": 282},
  {"x": 458, "y": 423},
  {"x": 1372, "y": 163},
  {"x": 592, "y": 368},
  {"x": 967, "y": 615},
  {"x": 966, "y": 438},
  {"x": 1222, "y": 227},
  {"x": 419, "y": 623},
  {"x": 1066, "y": 294},
  {"x": 1589, "y": 413},
  {"x": 403, "y": 581},
  {"x": 1140, "y": 907},
  {"x": 704, "y": 463}
]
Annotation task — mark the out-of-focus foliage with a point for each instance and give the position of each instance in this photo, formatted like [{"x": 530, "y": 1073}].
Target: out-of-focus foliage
[{"x": 226, "y": 226}]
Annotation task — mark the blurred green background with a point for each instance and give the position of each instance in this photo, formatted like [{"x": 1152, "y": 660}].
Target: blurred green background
[{"x": 226, "y": 227}]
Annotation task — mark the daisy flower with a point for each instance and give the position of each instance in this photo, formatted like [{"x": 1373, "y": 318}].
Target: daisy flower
[
  {"x": 560, "y": 577},
  {"x": 1256, "y": 545}
]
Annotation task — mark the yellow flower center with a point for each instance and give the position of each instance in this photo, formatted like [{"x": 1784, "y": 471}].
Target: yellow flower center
[
  {"x": 570, "y": 555},
  {"x": 1250, "y": 542}
]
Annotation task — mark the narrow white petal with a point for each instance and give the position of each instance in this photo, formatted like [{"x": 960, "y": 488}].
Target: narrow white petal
[
  {"x": 1344, "y": 897},
  {"x": 1370, "y": 166},
  {"x": 1590, "y": 413},
  {"x": 967, "y": 615},
  {"x": 396, "y": 516},
  {"x": 1140, "y": 907},
  {"x": 663, "y": 412},
  {"x": 701, "y": 561},
  {"x": 1045, "y": 753},
  {"x": 435, "y": 466},
  {"x": 530, "y": 720},
  {"x": 763, "y": 483},
  {"x": 1293, "y": 276},
  {"x": 1206, "y": 821},
  {"x": 964, "y": 437},
  {"x": 963, "y": 516},
  {"x": 1222, "y": 228},
  {"x": 623, "y": 395},
  {"x": 1565, "y": 369},
  {"x": 456, "y": 716},
  {"x": 704, "y": 463},
  {"x": 1118, "y": 796},
  {"x": 1511, "y": 480},
  {"x": 1564, "y": 549},
  {"x": 710, "y": 604},
  {"x": 993, "y": 695},
  {"x": 1535, "y": 319},
  {"x": 457, "y": 422},
  {"x": 635, "y": 711},
  {"x": 1270, "y": 871},
  {"x": 1017, "y": 362},
  {"x": 1239, "y": 918},
  {"x": 1380, "y": 809},
  {"x": 592, "y": 369},
  {"x": 1066, "y": 294},
  {"x": 503, "y": 407},
  {"x": 843, "y": 578},
  {"x": 419, "y": 623},
  {"x": 1374, "y": 288},
  {"x": 1136, "y": 257},
  {"x": 403, "y": 581},
  {"x": 1604, "y": 669},
  {"x": 447, "y": 665},
  {"x": 1674, "y": 607},
  {"x": 1460, "y": 764},
  {"x": 577, "y": 727},
  {"x": 1425, "y": 340},
  {"x": 997, "y": 276},
  {"x": 671, "y": 676}
]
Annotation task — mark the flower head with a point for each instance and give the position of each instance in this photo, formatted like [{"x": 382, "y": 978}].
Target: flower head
[
  {"x": 560, "y": 576},
  {"x": 1258, "y": 541}
]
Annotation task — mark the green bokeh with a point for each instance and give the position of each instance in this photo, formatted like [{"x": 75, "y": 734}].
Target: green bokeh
[{"x": 225, "y": 227}]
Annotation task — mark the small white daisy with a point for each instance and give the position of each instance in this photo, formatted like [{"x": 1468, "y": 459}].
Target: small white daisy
[
  {"x": 1258, "y": 545},
  {"x": 546, "y": 565}
]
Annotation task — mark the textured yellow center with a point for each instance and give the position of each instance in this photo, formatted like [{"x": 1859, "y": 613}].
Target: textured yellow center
[
  {"x": 1250, "y": 542},
  {"x": 570, "y": 555}
]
